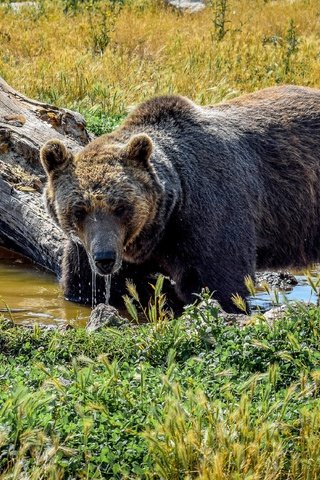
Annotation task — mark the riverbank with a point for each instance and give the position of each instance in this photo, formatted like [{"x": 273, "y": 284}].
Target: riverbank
[{"x": 187, "y": 398}]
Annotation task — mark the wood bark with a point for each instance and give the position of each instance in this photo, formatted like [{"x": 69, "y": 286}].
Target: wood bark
[{"x": 25, "y": 125}]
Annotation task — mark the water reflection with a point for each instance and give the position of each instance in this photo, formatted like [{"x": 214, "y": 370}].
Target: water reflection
[
  {"x": 34, "y": 295},
  {"x": 301, "y": 292}
]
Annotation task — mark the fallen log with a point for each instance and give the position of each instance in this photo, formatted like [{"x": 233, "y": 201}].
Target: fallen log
[
  {"x": 25, "y": 125},
  {"x": 26, "y": 228}
]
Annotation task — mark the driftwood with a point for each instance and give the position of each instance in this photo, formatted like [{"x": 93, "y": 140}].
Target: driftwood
[{"x": 25, "y": 125}]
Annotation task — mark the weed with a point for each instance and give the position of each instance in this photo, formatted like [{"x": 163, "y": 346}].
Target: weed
[
  {"x": 314, "y": 283},
  {"x": 72, "y": 6},
  {"x": 220, "y": 8},
  {"x": 157, "y": 312},
  {"x": 199, "y": 399},
  {"x": 99, "y": 123},
  {"x": 292, "y": 43},
  {"x": 102, "y": 16},
  {"x": 152, "y": 51}
]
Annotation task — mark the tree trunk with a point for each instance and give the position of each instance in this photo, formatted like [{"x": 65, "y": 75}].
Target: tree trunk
[{"x": 25, "y": 125}]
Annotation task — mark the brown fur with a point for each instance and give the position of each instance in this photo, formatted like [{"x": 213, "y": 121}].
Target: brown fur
[{"x": 204, "y": 193}]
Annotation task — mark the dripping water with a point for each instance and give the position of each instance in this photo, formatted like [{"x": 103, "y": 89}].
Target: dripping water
[
  {"x": 77, "y": 242},
  {"x": 93, "y": 282},
  {"x": 107, "y": 280},
  {"x": 79, "y": 272},
  {"x": 94, "y": 288}
]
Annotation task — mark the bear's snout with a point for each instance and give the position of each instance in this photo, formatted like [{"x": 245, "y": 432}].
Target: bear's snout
[{"x": 105, "y": 261}]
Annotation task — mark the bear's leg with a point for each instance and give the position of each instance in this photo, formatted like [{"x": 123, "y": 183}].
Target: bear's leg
[
  {"x": 223, "y": 276},
  {"x": 191, "y": 281},
  {"x": 220, "y": 263}
]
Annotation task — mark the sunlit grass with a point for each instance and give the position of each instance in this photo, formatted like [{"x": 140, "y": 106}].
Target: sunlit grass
[
  {"x": 154, "y": 50},
  {"x": 200, "y": 400}
]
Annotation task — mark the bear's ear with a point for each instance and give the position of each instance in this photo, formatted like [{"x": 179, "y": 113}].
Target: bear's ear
[
  {"x": 139, "y": 149},
  {"x": 54, "y": 155}
]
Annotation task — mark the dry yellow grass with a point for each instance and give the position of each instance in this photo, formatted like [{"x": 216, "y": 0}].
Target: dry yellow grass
[{"x": 154, "y": 50}]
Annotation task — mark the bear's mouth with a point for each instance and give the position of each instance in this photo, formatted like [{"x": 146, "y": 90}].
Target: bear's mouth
[
  {"x": 102, "y": 237},
  {"x": 105, "y": 263}
]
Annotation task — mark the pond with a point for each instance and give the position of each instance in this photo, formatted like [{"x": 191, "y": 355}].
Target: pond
[
  {"x": 301, "y": 292},
  {"x": 33, "y": 295}
]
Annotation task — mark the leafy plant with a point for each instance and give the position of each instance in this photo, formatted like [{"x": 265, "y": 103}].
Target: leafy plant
[
  {"x": 197, "y": 398},
  {"x": 102, "y": 15},
  {"x": 98, "y": 122},
  {"x": 220, "y": 8},
  {"x": 292, "y": 45}
]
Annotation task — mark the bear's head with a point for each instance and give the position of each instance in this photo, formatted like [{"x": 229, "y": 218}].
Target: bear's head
[{"x": 105, "y": 197}]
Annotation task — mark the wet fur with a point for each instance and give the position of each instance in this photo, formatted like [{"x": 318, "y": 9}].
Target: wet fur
[{"x": 228, "y": 188}]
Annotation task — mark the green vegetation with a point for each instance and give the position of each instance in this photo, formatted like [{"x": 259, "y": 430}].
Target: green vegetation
[
  {"x": 188, "y": 398},
  {"x": 98, "y": 122}
]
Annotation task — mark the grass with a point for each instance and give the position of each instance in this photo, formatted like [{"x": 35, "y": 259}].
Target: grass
[
  {"x": 154, "y": 50},
  {"x": 190, "y": 398}
]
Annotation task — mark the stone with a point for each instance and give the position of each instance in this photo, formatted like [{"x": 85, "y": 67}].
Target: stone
[
  {"x": 105, "y": 316},
  {"x": 276, "y": 313},
  {"x": 189, "y": 6},
  {"x": 281, "y": 280},
  {"x": 17, "y": 6}
]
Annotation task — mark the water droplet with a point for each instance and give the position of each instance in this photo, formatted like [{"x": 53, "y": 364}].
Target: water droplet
[
  {"x": 93, "y": 282},
  {"x": 94, "y": 289},
  {"x": 107, "y": 280}
]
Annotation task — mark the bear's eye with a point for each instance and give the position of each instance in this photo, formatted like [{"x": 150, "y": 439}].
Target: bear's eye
[
  {"x": 119, "y": 211},
  {"x": 79, "y": 213}
]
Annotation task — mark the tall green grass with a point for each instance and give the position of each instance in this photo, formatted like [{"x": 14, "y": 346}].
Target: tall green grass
[{"x": 194, "y": 398}]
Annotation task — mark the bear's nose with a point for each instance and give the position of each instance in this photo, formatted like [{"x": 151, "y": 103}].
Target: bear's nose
[{"x": 104, "y": 261}]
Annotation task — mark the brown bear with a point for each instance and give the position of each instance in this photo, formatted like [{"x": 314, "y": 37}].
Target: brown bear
[{"x": 202, "y": 194}]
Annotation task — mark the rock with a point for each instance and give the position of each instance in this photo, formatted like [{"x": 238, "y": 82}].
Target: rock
[
  {"x": 17, "y": 6},
  {"x": 189, "y": 6},
  {"x": 275, "y": 313},
  {"x": 281, "y": 280},
  {"x": 105, "y": 316}
]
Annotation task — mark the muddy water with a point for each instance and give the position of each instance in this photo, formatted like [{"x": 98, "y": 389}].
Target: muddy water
[{"x": 33, "y": 295}]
